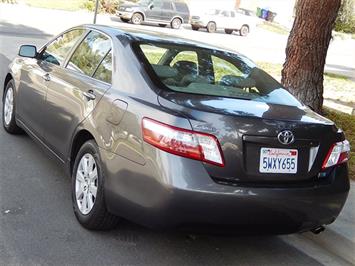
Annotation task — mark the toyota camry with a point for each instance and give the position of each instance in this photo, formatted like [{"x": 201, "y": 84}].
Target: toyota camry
[{"x": 173, "y": 133}]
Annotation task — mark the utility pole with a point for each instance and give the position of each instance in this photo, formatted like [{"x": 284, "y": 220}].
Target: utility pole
[{"x": 96, "y": 10}]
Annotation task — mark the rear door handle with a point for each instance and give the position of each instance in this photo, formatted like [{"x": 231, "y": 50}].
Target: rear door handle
[
  {"x": 90, "y": 95},
  {"x": 46, "y": 77}
]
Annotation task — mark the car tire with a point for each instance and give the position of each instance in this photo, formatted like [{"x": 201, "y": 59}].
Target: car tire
[
  {"x": 228, "y": 31},
  {"x": 176, "y": 23},
  {"x": 9, "y": 109},
  {"x": 244, "y": 30},
  {"x": 211, "y": 27},
  {"x": 124, "y": 20},
  {"x": 162, "y": 25},
  {"x": 87, "y": 179},
  {"x": 195, "y": 28},
  {"x": 137, "y": 19}
]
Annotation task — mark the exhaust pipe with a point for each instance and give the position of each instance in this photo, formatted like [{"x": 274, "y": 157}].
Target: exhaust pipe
[{"x": 318, "y": 230}]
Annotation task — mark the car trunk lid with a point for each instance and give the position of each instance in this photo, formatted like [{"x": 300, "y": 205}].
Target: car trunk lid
[{"x": 244, "y": 127}]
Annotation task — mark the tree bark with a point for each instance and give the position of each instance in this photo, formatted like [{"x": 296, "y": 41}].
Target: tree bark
[{"x": 307, "y": 48}]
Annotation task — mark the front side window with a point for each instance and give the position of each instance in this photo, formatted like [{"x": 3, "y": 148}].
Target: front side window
[
  {"x": 194, "y": 70},
  {"x": 225, "y": 14},
  {"x": 58, "y": 50},
  {"x": 157, "y": 3},
  {"x": 89, "y": 54}
]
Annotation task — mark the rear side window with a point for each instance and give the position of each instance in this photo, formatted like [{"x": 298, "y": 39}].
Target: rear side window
[
  {"x": 167, "y": 6},
  {"x": 181, "y": 7},
  {"x": 104, "y": 71},
  {"x": 89, "y": 54},
  {"x": 194, "y": 70},
  {"x": 58, "y": 50}
]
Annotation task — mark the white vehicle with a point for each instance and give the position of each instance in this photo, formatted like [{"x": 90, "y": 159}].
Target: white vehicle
[{"x": 228, "y": 20}]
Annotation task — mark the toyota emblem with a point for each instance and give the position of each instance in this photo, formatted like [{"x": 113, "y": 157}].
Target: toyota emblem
[{"x": 286, "y": 137}]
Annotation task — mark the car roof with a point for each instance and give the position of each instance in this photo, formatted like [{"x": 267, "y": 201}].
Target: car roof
[{"x": 145, "y": 35}]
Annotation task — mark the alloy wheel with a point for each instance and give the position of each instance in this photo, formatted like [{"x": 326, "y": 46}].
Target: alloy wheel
[
  {"x": 8, "y": 106},
  {"x": 176, "y": 23},
  {"x": 86, "y": 184},
  {"x": 137, "y": 19}
]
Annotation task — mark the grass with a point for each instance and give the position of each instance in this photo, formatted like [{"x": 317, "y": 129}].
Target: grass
[
  {"x": 274, "y": 27},
  {"x": 336, "y": 87},
  {"x": 70, "y": 5},
  {"x": 347, "y": 123}
]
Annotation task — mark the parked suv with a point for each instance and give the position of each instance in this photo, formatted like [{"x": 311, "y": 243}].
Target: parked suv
[{"x": 161, "y": 12}]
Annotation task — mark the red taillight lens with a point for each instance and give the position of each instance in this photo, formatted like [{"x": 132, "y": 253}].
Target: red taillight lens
[
  {"x": 183, "y": 142},
  {"x": 338, "y": 153}
]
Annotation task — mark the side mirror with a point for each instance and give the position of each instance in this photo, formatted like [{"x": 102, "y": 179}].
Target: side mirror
[
  {"x": 28, "y": 51},
  {"x": 151, "y": 6}
]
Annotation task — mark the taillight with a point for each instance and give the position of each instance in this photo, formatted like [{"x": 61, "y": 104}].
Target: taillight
[
  {"x": 183, "y": 142},
  {"x": 338, "y": 153}
]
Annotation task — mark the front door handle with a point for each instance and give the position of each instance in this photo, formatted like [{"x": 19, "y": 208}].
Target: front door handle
[
  {"x": 46, "y": 77},
  {"x": 90, "y": 95}
]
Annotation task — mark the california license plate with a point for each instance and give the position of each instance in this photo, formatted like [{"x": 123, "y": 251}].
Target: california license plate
[{"x": 278, "y": 161}]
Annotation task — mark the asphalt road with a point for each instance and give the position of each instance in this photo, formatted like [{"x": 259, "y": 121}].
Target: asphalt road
[{"x": 37, "y": 225}]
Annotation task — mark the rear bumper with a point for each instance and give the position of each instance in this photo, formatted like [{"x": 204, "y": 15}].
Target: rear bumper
[{"x": 175, "y": 202}]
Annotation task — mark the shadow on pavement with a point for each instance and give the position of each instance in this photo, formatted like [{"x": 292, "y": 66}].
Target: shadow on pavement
[
  {"x": 4, "y": 62},
  {"x": 21, "y": 30}
]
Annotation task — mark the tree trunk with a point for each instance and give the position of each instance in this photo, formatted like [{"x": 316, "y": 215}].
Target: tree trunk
[
  {"x": 237, "y": 4},
  {"x": 307, "y": 48}
]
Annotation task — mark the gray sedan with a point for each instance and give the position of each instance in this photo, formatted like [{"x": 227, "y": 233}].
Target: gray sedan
[{"x": 171, "y": 133}]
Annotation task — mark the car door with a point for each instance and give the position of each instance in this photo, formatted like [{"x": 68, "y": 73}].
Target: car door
[
  {"x": 33, "y": 86},
  {"x": 167, "y": 11},
  {"x": 74, "y": 91},
  {"x": 224, "y": 20},
  {"x": 239, "y": 19},
  {"x": 154, "y": 10}
]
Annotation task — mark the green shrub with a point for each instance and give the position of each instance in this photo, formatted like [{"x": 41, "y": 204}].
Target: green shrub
[
  {"x": 8, "y": 1},
  {"x": 89, "y": 5},
  {"x": 345, "y": 21},
  {"x": 109, "y": 6},
  {"x": 105, "y": 6}
]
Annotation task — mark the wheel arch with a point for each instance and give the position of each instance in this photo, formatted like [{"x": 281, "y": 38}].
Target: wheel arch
[
  {"x": 179, "y": 17},
  {"x": 79, "y": 139},
  {"x": 140, "y": 12},
  {"x": 7, "y": 80}
]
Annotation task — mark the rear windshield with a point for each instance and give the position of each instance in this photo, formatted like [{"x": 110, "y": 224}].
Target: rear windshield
[{"x": 195, "y": 70}]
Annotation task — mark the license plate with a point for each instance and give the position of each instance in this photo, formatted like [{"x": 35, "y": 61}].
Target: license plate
[{"x": 278, "y": 161}]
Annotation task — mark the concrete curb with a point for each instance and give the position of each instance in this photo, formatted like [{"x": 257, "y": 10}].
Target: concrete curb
[
  {"x": 334, "y": 243},
  {"x": 339, "y": 107}
]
